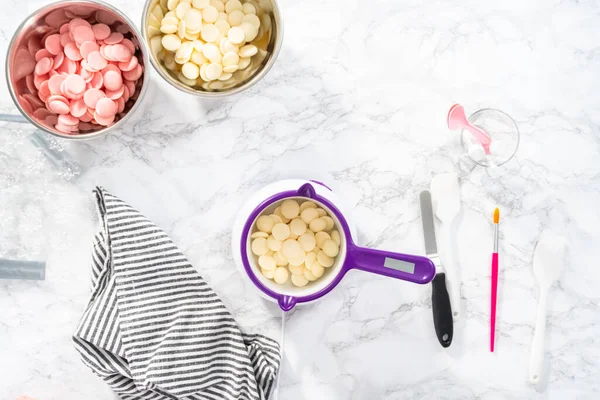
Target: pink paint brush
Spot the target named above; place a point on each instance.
(494, 280)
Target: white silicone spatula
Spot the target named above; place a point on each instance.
(445, 196)
(547, 264)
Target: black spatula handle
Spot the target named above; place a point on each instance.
(442, 310)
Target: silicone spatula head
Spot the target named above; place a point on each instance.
(457, 120)
(548, 259)
(445, 194)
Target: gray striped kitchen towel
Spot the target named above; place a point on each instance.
(154, 329)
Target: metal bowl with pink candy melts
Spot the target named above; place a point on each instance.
(77, 68)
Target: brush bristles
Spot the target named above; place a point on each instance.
(496, 215)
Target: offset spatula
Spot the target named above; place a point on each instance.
(440, 300)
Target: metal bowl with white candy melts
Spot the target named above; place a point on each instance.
(212, 48)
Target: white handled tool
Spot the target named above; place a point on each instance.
(547, 262)
(445, 193)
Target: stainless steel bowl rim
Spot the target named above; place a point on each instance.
(143, 48)
(216, 94)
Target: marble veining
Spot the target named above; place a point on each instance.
(357, 99)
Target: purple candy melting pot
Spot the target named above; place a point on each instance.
(411, 268)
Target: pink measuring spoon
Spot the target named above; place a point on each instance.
(458, 120)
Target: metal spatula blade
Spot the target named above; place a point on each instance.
(445, 193)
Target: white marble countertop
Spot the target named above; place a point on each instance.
(357, 99)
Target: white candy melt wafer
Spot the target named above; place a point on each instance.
(281, 275)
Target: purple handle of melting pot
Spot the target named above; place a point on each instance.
(407, 267)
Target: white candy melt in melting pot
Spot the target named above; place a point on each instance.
(411, 268)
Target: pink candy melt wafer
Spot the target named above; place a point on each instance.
(131, 86)
(42, 53)
(78, 108)
(68, 66)
(97, 81)
(134, 74)
(87, 67)
(120, 104)
(96, 61)
(87, 47)
(101, 31)
(76, 22)
(44, 92)
(92, 96)
(114, 38)
(129, 65)
(126, 93)
(112, 80)
(65, 38)
(87, 117)
(111, 67)
(120, 53)
(38, 79)
(108, 52)
(68, 119)
(58, 107)
(46, 32)
(74, 84)
(104, 120)
(105, 17)
(129, 44)
(52, 44)
(55, 82)
(43, 66)
(66, 128)
(58, 60)
(72, 52)
(83, 34)
(58, 98)
(106, 107)
(116, 94)
(103, 50)
(86, 75)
